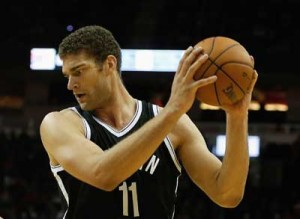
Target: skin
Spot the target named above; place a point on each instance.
(101, 90)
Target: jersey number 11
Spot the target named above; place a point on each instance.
(125, 189)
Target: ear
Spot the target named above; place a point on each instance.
(111, 63)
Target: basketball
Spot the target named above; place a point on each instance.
(232, 64)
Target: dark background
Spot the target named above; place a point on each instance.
(268, 29)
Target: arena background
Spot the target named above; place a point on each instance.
(268, 29)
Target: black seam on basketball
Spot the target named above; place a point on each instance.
(212, 45)
(224, 72)
(225, 50)
(213, 61)
(217, 94)
(208, 53)
(231, 62)
(235, 62)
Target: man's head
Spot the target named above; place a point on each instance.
(93, 40)
(91, 61)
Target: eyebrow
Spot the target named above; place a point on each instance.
(74, 68)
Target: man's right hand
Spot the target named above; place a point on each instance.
(184, 86)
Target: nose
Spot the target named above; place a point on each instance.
(72, 83)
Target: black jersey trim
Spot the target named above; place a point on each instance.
(168, 144)
(128, 127)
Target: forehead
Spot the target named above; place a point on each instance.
(72, 61)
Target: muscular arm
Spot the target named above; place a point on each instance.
(224, 182)
(234, 172)
(65, 142)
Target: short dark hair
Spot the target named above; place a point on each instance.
(95, 40)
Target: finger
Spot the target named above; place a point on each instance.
(191, 58)
(205, 81)
(185, 55)
(253, 82)
(252, 59)
(197, 65)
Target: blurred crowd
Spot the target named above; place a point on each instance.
(28, 190)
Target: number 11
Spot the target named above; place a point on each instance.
(124, 188)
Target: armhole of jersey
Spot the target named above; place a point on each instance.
(55, 170)
(87, 128)
(168, 143)
(58, 168)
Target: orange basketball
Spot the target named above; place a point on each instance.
(232, 64)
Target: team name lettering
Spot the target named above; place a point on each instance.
(151, 166)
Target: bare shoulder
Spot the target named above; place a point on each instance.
(55, 123)
(59, 128)
(65, 115)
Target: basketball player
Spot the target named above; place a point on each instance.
(120, 157)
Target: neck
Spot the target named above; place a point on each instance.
(120, 109)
